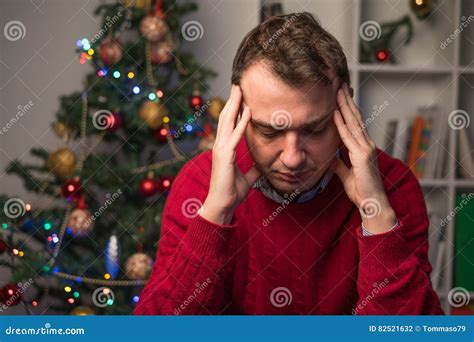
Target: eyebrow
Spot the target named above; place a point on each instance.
(315, 122)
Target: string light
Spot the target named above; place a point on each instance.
(34, 303)
(90, 52)
(159, 93)
(15, 251)
(28, 207)
(136, 90)
(21, 253)
(4, 226)
(47, 226)
(152, 96)
(67, 289)
(166, 119)
(130, 75)
(107, 276)
(70, 300)
(136, 299)
(116, 74)
(76, 294)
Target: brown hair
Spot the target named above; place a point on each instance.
(296, 48)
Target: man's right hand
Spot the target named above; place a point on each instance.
(228, 186)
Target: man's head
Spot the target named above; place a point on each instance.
(289, 69)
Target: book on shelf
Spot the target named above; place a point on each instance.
(419, 141)
(466, 167)
(437, 249)
(464, 242)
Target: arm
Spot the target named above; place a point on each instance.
(394, 271)
(191, 264)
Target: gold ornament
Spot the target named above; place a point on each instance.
(62, 130)
(153, 27)
(82, 311)
(80, 222)
(138, 266)
(216, 106)
(140, 4)
(62, 162)
(153, 113)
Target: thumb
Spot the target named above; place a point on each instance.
(252, 175)
(340, 169)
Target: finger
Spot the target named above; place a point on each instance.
(240, 128)
(355, 110)
(230, 116)
(224, 110)
(252, 175)
(349, 117)
(346, 136)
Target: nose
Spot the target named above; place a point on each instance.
(293, 156)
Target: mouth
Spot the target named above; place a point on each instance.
(293, 177)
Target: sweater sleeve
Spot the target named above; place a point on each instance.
(190, 269)
(394, 271)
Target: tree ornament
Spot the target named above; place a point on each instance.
(112, 257)
(161, 52)
(148, 186)
(3, 246)
(153, 113)
(153, 27)
(10, 294)
(421, 8)
(216, 106)
(62, 130)
(138, 265)
(82, 311)
(110, 51)
(164, 183)
(114, 121)
(383, 55)
(71, 188)
(62, 162)
(195, 100)
(80, 220)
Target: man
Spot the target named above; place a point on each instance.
(299, 212)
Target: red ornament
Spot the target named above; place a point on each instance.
(110, 51)
(148, 187)
(195, 101)
(3, 246)
(383, 55)
(10, 295)
(160, 135)
(71, 189)
(161, 52)
(114, 122)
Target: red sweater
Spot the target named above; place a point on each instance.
(311, 259)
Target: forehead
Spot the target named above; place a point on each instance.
(264, 93)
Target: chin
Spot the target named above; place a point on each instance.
(285, 187)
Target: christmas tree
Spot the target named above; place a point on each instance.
(104, 189)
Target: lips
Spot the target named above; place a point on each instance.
(293, 177)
